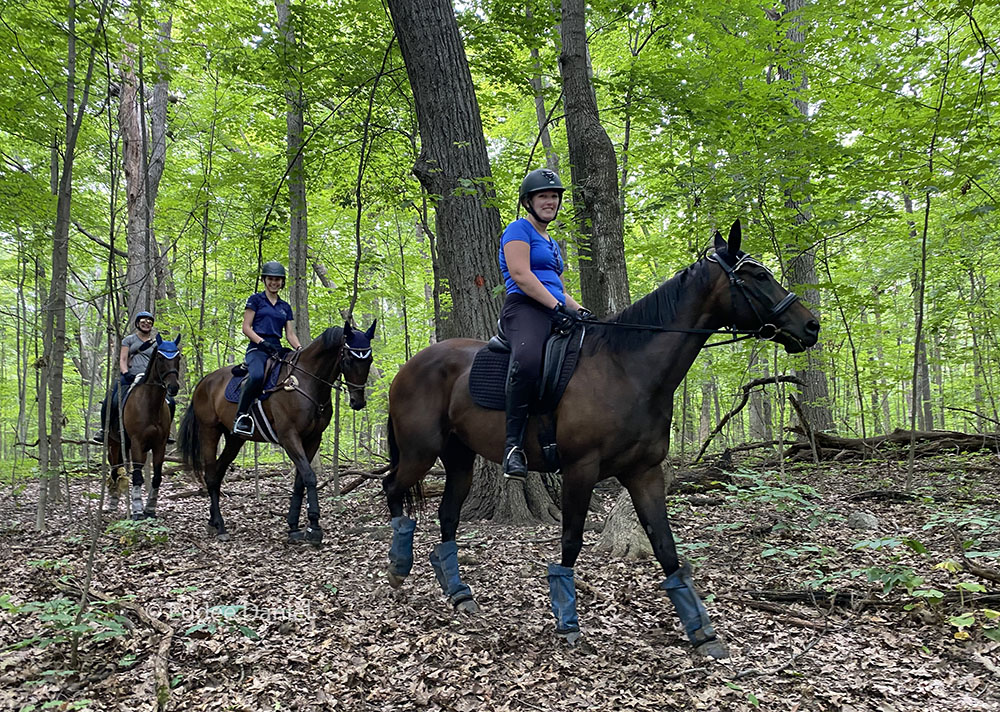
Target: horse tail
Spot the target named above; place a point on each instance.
(413, 499)
(189, 440)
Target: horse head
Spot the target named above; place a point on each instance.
(164, 363)
(356, 362)
(757, 302)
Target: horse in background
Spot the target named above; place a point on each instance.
(613, 421)
(298, 410)
(145, 421)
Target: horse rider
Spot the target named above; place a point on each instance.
(132, 361)
(266, 315)
(537, 302)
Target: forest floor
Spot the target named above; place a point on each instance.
(257, 624)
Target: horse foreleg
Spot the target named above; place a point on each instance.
(396, 486)
(298, 493)
(304, 471)
(647, 494)
(578, 485)
(458, 461)
(138, 462)
(115, 473)
(154, 490)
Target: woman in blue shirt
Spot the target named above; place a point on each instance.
(537, 302)
(265, 317)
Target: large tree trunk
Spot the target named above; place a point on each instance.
(454, 168)
(147, 277)
(598, 211)
(298, 243)
(453, 165)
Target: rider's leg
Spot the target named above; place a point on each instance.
(256, 360)
(527, 325)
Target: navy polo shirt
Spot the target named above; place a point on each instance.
(269, 319)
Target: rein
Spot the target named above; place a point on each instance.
(291, 383)
(767, 331)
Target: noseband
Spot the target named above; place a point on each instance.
(767, 330)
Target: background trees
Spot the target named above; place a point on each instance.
(882, 171)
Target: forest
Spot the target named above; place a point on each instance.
(838, 505)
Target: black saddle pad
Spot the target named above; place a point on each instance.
(488, 378)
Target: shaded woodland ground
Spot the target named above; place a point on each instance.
(255, 624)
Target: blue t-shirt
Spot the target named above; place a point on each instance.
(546, 259)
(269, 319)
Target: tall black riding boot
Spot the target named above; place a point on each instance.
(515, 464)
(243, 425)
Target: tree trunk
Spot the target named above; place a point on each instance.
(802, 265)
(298, 243)
(453, 165)
(598, 211)
(55, 308)
(925, 411)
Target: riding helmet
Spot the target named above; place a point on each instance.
(273, 269)
(539, 180)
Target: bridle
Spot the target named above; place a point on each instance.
(767, 331)
(161, 377)
(347, 353)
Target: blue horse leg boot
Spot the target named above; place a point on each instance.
(680, 588)
(562, 592)
(444, 560)
(401, 550)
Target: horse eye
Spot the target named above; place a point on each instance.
(761, 276)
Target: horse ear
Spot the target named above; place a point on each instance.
(735, 237)
(159, 339)
(371, 330)
(177, 341)
(347, 328)
(720, 244)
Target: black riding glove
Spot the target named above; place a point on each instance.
(268, 348)
(585, 314)
(127, 378)
(563, 319)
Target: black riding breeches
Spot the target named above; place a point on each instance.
(527, 325)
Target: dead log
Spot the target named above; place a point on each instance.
(894, 445)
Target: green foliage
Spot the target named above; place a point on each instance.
(59, 620)
(130, 536)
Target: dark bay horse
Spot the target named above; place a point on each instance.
(146, 421)
(299, 410)
(613, 420)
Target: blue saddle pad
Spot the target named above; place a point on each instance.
(233, 387)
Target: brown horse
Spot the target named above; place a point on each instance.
(300, 409)
(613, 420)
(146, 422)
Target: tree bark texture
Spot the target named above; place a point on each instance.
(298, 243)
(596, 205)
(802, 265)
(453, 165)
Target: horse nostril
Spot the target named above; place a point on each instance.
(812, 326)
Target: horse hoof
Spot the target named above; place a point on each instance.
(314, 535)
(468, 606)
(395, 580)
(713, 649)
(296, 536)
(149, 515)
(223, 536)
(138, 517)
(569, 637)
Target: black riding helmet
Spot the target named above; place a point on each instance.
(273, 269)
(537, 181)
(142, 315)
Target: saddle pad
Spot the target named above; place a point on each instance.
(488, 378)
(233, 387)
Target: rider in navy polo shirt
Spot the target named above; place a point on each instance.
(266, 316)
(537, 302)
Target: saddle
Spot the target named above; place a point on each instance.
(491, 371)
(272, 370)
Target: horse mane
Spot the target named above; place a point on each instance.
(332, 337)
(658, 308)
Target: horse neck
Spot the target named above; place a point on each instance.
(665, 359)
(322, 361)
